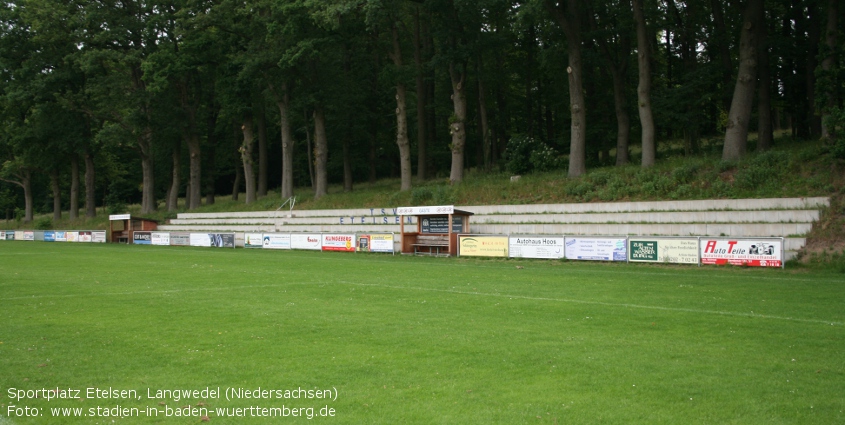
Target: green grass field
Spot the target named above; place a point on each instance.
(414, 340)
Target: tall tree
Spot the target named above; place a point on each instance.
(568, 14)
(736, 134)
(644, 86)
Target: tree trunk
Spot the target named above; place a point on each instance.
(828, 65)
(310, 153)
(421, 98)
(26, 183)
(90, 206)
(144, 141)
(736, 135)
(57, 195)
(814, 38)
(644, 86)
(401, 116)
(569, 18)
(483, 125)
(73, 214)
(175, 181)
(262, 151)
(623, 122)
(283, 103)
(195, 169)
(211, 152)
(321, 154)
(723, 51)
(247, 158)
(236, 185)
(457, 123)
(347, 164)
(764, 97)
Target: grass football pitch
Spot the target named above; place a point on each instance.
(100, 334)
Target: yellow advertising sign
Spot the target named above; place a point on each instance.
(483, 246)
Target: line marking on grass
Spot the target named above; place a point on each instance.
(574, 301)
(450, 291)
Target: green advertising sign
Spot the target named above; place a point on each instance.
(643, 250)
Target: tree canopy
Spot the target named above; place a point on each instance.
(260, 94)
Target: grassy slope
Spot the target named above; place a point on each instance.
(421, 340)
(791, 169)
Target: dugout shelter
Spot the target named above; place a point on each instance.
(436, 232)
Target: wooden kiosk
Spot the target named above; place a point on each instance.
(122, 227)
(437, 230)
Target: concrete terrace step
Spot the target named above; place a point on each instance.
(767, 216)
(610, 207)
(712, 229)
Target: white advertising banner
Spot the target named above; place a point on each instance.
(200, 239)
(440, 209)
(2, 235)
(754, 252)
(253, 240)
(98, 237)
(306, 241)
(276, 241)
(663, 250)
(381, 242)
(535, 247)
(28, 235)
(72, 236)
(595, 248)
(19, 235)
(160, 238)
(61, 236)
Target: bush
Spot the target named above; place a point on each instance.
(421, 196)
(525, 154)
(43, 223)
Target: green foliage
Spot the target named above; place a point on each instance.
(43, 223)
(421, 195)
(836, 123)
(762, 169)
(525, 154)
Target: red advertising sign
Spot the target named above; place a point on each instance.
(760, 252)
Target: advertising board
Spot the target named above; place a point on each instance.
(49, 236)
(550, 247)
(142, 238)
(84, 236)
(338, 242)
(663, 250)
(595, 248)
(160, 238)
(180, 239)
(98, 237)
(276, 241)
(306, 241)
(28, 235)
(253, 240)
(72, 236)
(482, 246)
(61, 236)
(754, 252)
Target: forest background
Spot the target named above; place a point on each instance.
(109, 103)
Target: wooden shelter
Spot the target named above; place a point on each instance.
(122, 227)
(437, 230)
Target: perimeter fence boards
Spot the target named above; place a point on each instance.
(680, 250)
(310, 241)
(98, 237)
(253, 240)
(61, 236)
(142, 238)
(376, 242)
(754, 252)
(526, 246)
(160, 238)
(49, 236)
(28, 235)
(215, 240)
(483, 245)
(19, 235)
(276, 241)
(596, 248)
(72, 236)
(10, 235)
(180, 239)
(338, 242)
